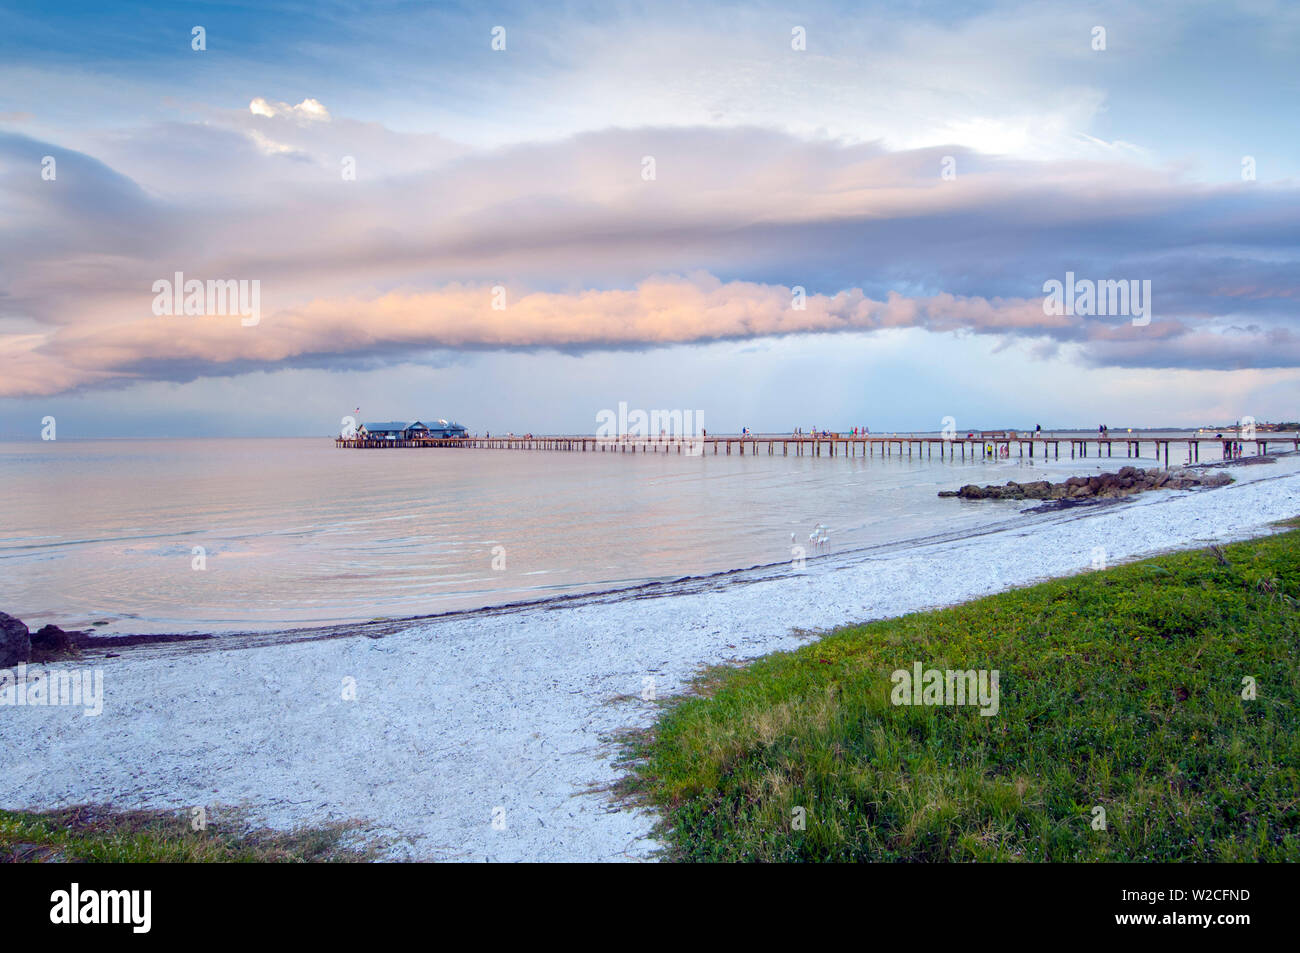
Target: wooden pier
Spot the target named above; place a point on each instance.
(1026, 446)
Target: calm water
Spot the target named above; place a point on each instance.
(297, 532)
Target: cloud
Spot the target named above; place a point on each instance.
(388, 264)
(659, 311)
(666, 310)
(309, 110)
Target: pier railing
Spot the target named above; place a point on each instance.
(885, 445)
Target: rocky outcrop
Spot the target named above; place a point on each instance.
(15, 643)
(49, 642)
(46, 644)
(1126, 482)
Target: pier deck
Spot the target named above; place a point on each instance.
(886, 445)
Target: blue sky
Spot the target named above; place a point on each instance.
(523, 169)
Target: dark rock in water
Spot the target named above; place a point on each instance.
(1038, 490)
(50, 640)
(1103, 486)
(15, 643)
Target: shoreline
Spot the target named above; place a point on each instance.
(460, 714)
(112, 645)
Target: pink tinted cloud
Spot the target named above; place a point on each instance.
(658, 311)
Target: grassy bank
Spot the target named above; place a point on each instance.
(1119, 689)
(103, 835)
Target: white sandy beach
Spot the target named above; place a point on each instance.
(516, 709)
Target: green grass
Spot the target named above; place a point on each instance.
(104, 835)
(1120, 689)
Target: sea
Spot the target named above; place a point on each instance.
(245, 535)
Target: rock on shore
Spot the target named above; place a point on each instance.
(46, 644)
(1128, 481)
(15, 642)
(53, 641)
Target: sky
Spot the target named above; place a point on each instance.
(818, 215)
